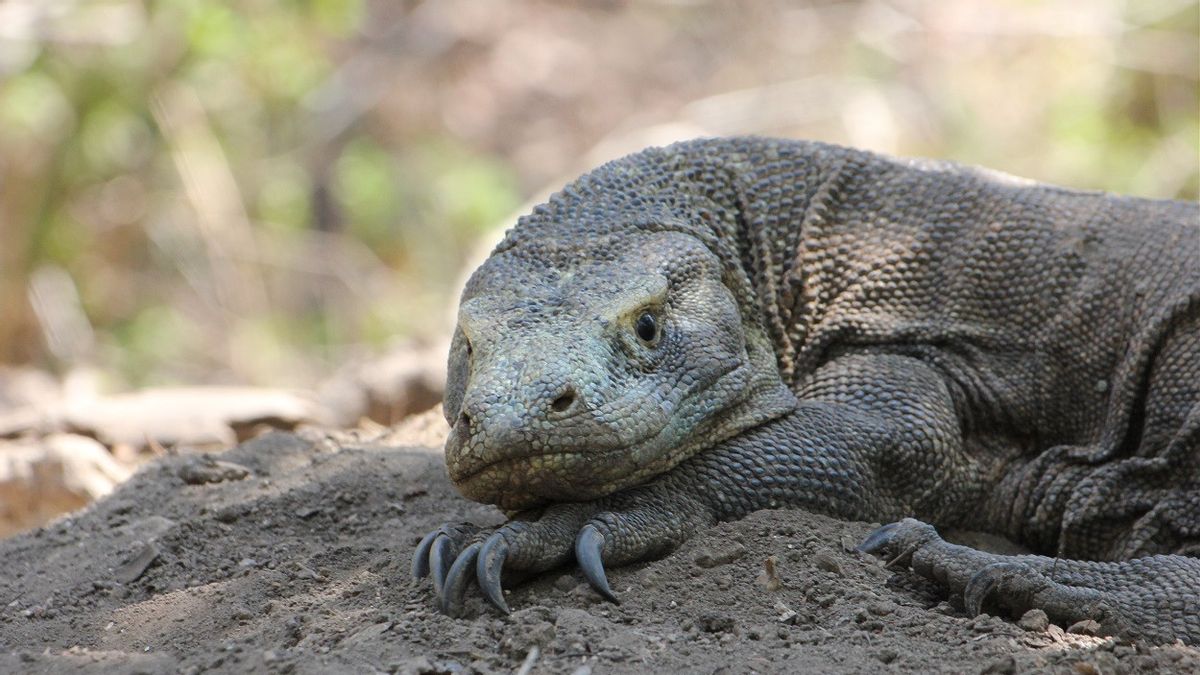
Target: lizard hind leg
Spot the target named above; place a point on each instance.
(1156, 598)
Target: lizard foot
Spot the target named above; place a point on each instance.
(438, 550)
(1156, 597)
(635, 525)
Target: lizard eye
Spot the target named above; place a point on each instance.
(646, 327)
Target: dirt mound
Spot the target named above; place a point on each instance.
(291, 552)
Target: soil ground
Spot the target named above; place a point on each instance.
(302, 565)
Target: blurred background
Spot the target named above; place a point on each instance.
(284, 193)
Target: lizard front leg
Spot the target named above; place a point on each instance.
(772, 465)
(833, 453)
(640, 523)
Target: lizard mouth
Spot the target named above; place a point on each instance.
(475, 470)
(525, 480)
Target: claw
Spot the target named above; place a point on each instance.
(488, 566)
(878, 540)
(420, 561)
(587, 553)
(451, 594)
(983, 582)
(441, 559)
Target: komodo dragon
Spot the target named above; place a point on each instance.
(692, 333)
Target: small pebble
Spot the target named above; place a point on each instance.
(1085, 627)
(716, 623)
(1034, 620)
(824, 560)
(886, 655)
(881, 608)
(1005, 665)
(714, 557)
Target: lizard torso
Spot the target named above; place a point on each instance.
(729, 324)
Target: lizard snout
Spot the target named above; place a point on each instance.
(507, 422)
(497, 422)
(523, 436)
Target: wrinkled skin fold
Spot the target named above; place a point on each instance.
(693, 333)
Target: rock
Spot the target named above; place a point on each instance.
(787, 615)
(27, 420)
(886, 655)
(25, 396)
(1005, 665)
(1034, 620)
(531, 634)
(824, 560)
(716, 623)
(881, 608)
(1085, 627)
(44, 478)
(648, 579)
(723, 555)
(945, 608)
(231, 513)
(408, 379)
(427, 429)
(203, 469)
(986, 623)
(194, 416)
(421, 665)
(369, 633)
(132, 569)
(20, 387)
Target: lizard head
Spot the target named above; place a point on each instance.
(586, 365)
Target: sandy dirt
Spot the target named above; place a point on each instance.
(297, 560)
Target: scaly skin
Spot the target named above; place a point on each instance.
(692, 333)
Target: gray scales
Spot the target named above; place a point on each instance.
(692, 333)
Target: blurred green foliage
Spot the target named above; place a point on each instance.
(116, 147)
(256, 190)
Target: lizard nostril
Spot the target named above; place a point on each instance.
(563, 402)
